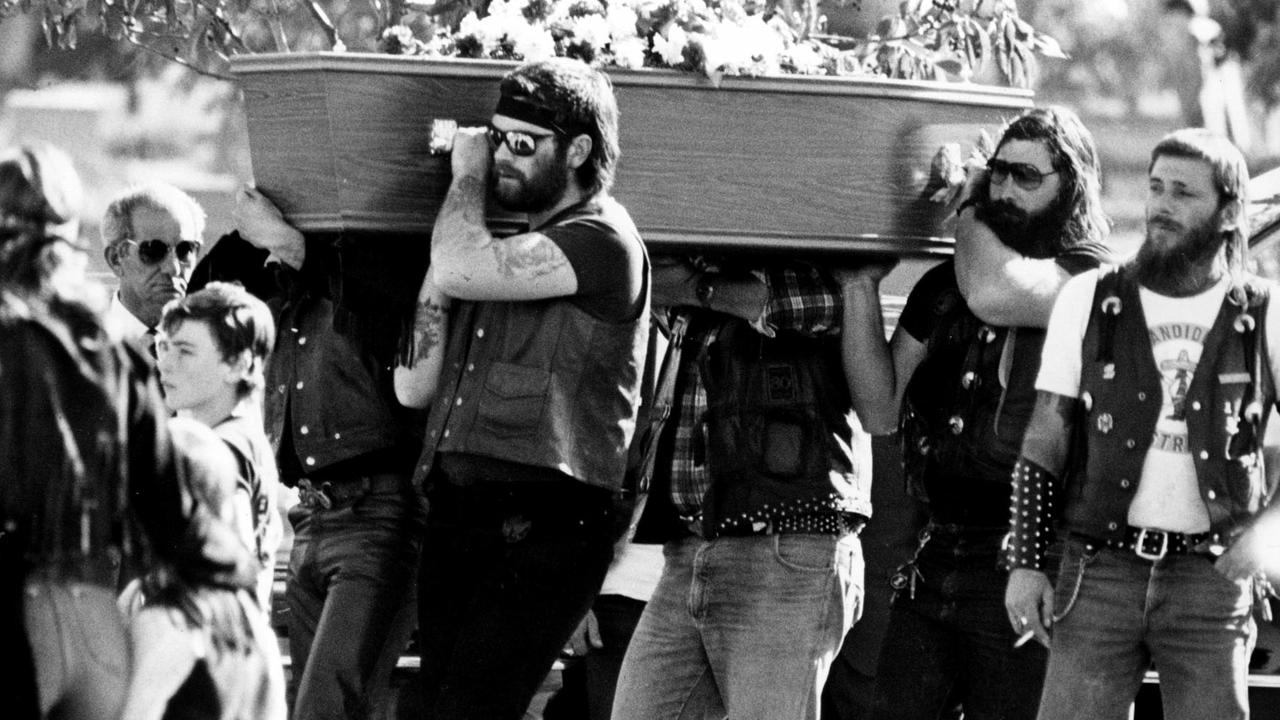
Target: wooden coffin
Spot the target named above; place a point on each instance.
(787, 163)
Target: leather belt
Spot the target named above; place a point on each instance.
(1153, 545)
(335, 493)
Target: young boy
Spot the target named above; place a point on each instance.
(211, 352)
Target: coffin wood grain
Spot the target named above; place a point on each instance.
(339, 141)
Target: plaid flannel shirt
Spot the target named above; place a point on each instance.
(801, 298)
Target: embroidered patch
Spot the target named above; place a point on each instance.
(782, 383)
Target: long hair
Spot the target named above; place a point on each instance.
(1230, 178)
(1074, 155)
(40, 195)
(583, 102)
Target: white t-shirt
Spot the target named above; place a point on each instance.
(1168, 494)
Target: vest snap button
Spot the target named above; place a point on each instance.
(1112, 525)
(1130, 443)
(1142, 397)
(1195, 404)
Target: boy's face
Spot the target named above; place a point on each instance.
(192, 370)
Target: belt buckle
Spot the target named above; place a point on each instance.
(311, 497)
(1139, 546)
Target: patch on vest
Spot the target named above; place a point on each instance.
(780, 383)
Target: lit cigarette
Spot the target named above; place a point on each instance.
(1023, 638)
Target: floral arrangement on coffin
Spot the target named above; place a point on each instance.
(926, 39)
(916, 39)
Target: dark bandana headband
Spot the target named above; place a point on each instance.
(522, 109)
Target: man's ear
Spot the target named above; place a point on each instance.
(579, 150)
(111, 254)
(1229, 216)
(241, 367)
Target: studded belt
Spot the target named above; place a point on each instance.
(1151, 544)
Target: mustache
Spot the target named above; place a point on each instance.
(1164, 222)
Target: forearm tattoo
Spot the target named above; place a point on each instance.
(428, 329)
(534, 257)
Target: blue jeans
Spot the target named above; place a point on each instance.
(350, 599)
(952, 640)
(1117, 613)
(80, 647)
(746, 626)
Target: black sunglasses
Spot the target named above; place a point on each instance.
(519, 142)
(1027, 176)
(152, 252)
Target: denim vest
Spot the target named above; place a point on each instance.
(1227, 405)
(540, 383)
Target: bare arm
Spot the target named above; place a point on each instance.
(1001, 286)
(877, 371)
(469, 262)
(260, 222)
(417, 377)
(675, 283)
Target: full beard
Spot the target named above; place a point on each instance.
(1038, 236)
(1183, 268)
(532, 194)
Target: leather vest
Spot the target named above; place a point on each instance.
(781, 432)
(965, 410)
(540, 383)
(1226, 404)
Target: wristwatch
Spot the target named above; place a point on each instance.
(705, 290)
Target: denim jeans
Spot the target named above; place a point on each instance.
(746, 626)
(350, 599)
(1117, 613)
(950, 640)
(508, 571)
(80, 647)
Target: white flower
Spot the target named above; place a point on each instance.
(670, 45)
(534, 43)
(805, 59)
(622, 21)
(591, 29)
(473, 26)
(629, 52)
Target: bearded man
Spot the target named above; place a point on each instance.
(528, 351)
(960, 369)
(1161, 371)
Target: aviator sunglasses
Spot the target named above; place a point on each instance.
(152, 252)
(519, 142)
(1027, 176)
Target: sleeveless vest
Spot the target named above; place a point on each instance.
(1226, 405)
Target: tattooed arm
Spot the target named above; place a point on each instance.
(416, 376)
(470, 263)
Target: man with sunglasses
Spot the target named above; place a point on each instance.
(153, 235)
(527, 350)
(1163, 379)
(959, 372)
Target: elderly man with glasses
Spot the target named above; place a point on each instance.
(153, 236)
(959, 373)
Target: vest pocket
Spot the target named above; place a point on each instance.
(512, 400)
